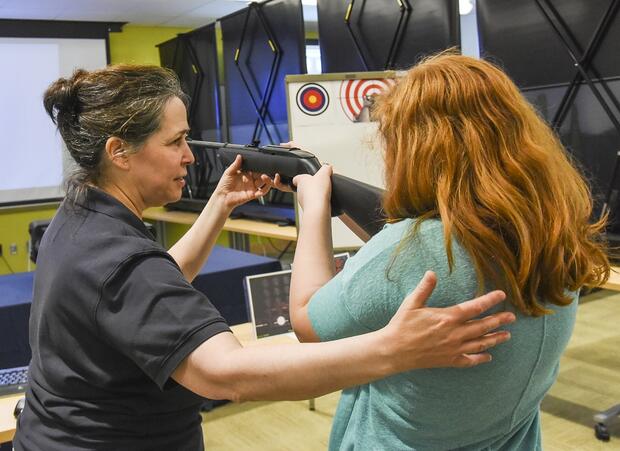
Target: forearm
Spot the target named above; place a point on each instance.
(293, 372)
(313, 265)
(192, 250)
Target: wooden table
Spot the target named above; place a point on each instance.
(243, 332)
(7, 421)
(235, 226)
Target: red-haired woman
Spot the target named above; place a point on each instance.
(479, 190)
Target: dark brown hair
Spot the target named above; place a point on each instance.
(125, 101)
(463, 144)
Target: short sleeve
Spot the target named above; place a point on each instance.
(329, 315)
(150, 313)
(365, 295)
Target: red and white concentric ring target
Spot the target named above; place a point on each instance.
(353, 93)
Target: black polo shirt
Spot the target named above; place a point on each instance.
(112, 317)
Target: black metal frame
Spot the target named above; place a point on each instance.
(185, 41)
(583, 64)
(262, 110)
(199, 174)
(405, 13)
(347, 22)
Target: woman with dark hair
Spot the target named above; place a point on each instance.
(123, 347)
(480, 191)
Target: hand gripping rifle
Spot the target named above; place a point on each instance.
(359, 201)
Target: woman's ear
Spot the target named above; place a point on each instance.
(115, 150)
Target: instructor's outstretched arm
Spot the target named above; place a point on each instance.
(416, 337)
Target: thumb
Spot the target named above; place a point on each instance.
(290, 144)
(299, 178)
(418, 297)
(326, 169)
(234, 166)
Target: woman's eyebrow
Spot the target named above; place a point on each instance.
(178, 134)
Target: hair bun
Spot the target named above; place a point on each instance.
(61, 97)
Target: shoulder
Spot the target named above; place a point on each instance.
(390, 266)
(374, 282)
(93, 248)
(108, 239)
(396, 241)
(147, 267)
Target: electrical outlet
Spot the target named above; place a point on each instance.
(13, 249)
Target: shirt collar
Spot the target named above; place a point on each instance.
(102, 202)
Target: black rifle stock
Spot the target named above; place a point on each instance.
(359, 201)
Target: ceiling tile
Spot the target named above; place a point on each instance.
(27, 14)
(218, 9)
(145, 18)
(99, 16)
(189, 21)
(189, 13)
(174, 8)
(30, 6)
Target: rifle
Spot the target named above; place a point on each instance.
(360, 201)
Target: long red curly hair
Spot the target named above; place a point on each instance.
(461, 143)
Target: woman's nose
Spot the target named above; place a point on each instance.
(188, 155)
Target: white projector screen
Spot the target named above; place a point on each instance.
(33, 161)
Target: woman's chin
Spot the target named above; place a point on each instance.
(175, 198)
(170, 199)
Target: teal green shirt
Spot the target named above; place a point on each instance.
(492, 406)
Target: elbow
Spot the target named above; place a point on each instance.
(217, 382)
(223, 388)
(237, 397)
(304, 336)
(226, 382)
(217, 370)
(302, 327)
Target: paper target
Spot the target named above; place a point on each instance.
(356, 96)
(312, 99)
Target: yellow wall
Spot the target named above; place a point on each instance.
(137, 45)
(14, 231)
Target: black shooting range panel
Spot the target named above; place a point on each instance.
(193, 57)
(373, 40)
(518, 36)
(564, 56)
(262, 44)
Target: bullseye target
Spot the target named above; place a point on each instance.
(312, 99)
(356, 96)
